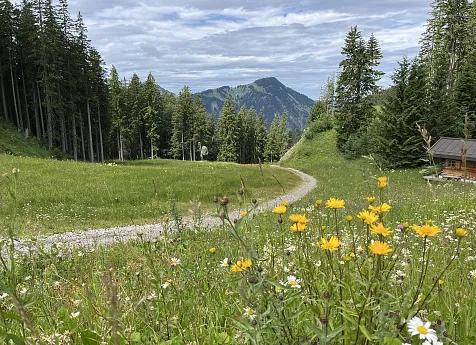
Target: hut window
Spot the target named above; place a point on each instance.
(450, 163)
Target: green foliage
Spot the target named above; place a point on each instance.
(278, 138)
(14, 143)
(356, 82)
(228, 132)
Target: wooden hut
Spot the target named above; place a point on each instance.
(450, 151)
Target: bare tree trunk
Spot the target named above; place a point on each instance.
(35, 109)
(101, 147)
(4, 100)
(90, 140)
(49, 121)
(62, 125)
(121, 148)
(151, 149)
(141, 145)
(14, 96)
(183, 149)
(82, 142)
(20, 112)
(28, 124)
(42, 121)
(75, 142)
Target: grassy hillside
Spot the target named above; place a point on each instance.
(14, 143)
(56, 196)
(412, 197)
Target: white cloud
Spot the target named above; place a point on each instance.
(209, 43)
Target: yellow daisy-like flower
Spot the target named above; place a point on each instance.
(382, 182)
(460, 232)
(212, 250)
(299, 218)
(426, 230)
(323, 228)
(285, 203)
(380, 229)
(380, 208)
(335, 203)
(331, 245)
(441, 282)
(349, 218)
(318, 203)
(368, 217)
(280, 210)
(380, 248)
(298, 227)
(240, 266)
(243, 214)
(371, 199)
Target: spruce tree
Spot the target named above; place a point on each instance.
(227, 132)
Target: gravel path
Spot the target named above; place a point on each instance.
(93, 237)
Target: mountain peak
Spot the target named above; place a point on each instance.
(267, 94)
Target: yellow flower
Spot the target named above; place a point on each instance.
(460, 232)
(323, 228)
(406, 225)
(368, 217)
(298, 227)
(380, 208)
(243, 214)
(349, 218)
(285, 203)
(379, 229)
(382, 182)
(440, 282)
(240, 266)
(380, 248)
(280, 210)
(335, 203)
(370, 199)
(299, 218)
(213, 250)
(331, 245)
(426, 230)
(318, 203)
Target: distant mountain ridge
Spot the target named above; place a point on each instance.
(268, 94)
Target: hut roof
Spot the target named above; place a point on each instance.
(452, 148)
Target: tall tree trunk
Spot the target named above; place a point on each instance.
(75, 141)
(42, 121)
(35, 110)
(14, 95)
(20, 112)
(141, 145)
(191, 153)
(183, 148)
(151, 149)
(28, 124)
(4, 100)
(101, 147)
(82, 142)
(62, 124)
(90, 140)
(121, 147)
(49, 122)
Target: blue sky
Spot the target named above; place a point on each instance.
(209, 43)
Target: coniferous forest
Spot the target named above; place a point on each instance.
(54, 86)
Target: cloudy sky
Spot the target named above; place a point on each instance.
(211, 43)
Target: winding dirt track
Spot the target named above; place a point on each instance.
(108, 236)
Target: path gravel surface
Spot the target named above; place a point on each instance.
(108, 236)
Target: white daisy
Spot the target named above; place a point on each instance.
(224, 263)
(423, 330)
(174, 261)
(75, 315)
(249, 312)
(472, 273)
(432, 343)
(166, 284)
(294, 282)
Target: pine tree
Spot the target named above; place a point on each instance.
(227, 132)
(356, 82)
(181, 137)
(152, 113)
(199, 126)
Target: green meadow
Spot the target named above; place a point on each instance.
(256, 281)
(57, 196)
